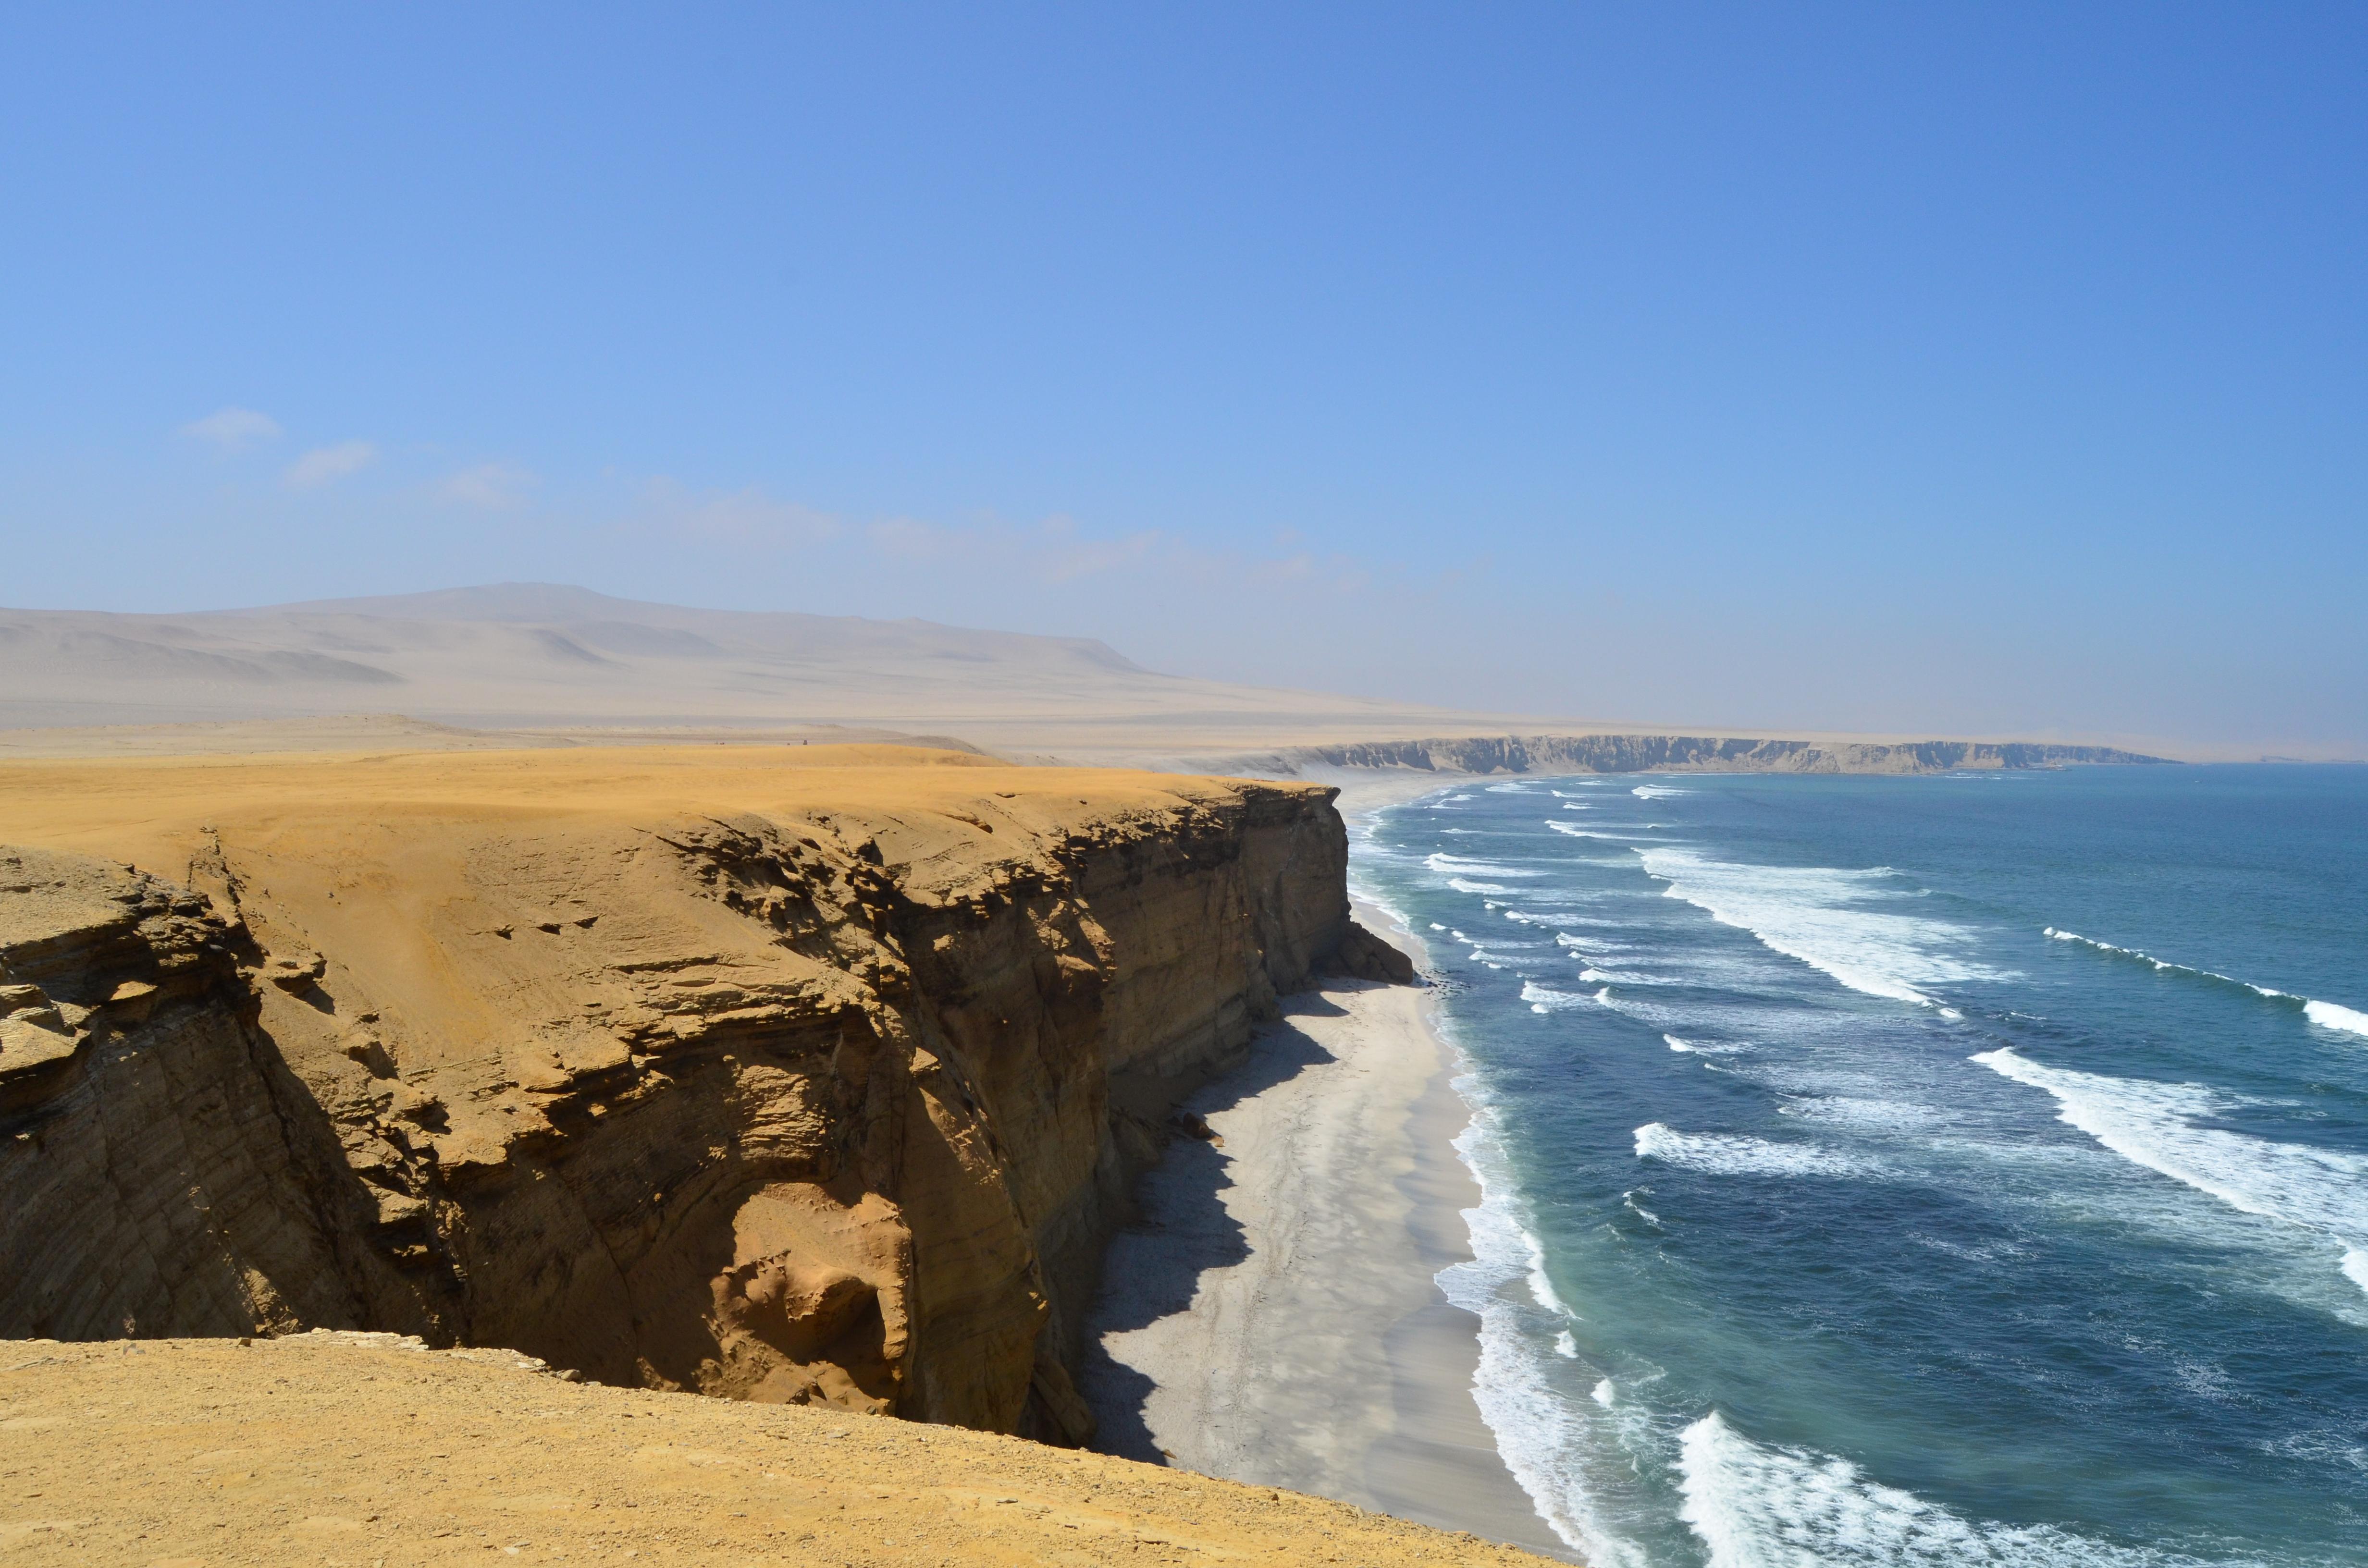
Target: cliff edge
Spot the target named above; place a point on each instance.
(343, 1447)
(800, 1076)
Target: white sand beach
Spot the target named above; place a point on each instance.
(1273, 1318)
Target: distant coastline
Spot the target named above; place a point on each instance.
(1631, 752)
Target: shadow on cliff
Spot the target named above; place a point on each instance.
(1155, 1266)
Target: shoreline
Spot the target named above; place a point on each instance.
(1271, 1317)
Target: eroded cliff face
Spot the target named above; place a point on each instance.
(807, 1083)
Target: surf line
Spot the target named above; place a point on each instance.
(2325, 1015)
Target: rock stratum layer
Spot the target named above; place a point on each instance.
(333, 1447)
(799, 1075)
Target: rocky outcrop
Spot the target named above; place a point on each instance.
(1680, 754)
(807, 1105)
(147, 1184)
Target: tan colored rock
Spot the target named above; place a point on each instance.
(808, 1076)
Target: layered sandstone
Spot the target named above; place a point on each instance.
(801, 1074)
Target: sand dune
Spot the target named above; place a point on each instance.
(539, 655)
(540, 664)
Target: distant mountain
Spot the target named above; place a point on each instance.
(545, 653)
(693, 633)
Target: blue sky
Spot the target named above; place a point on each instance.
(1977, 368)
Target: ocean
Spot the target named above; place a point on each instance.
(1956, 1169)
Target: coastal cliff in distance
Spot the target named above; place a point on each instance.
(808, 1074)
(1690, 753)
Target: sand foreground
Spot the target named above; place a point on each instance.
(362, 1449)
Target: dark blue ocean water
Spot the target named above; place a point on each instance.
(1959, 1169)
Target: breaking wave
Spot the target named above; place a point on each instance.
(1822, 917)
(1753, 1505)
(1541, 1438)
(2154, 1125)
(1444, 863)
(2328, 1015)
(2325, 1015)
(1546, 999)
(1697, 1048)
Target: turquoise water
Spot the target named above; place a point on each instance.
(1959, 1169)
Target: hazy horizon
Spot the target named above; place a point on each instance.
(1968, 371)
(138, 669)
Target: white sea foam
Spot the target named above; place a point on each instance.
(1566, 1345)
(1605, 1395)
(2328, 1015)
(1539, 1435)
(1568, 831)
(1755, 1505)
(1718, 1153)
(1698, 1049)
(1872, 1115)
(1657, 792)
(1577, 805)
(1508, 789)
(1542, 1289)
(1465, 885)
(2154, 1125)
(1588, 783)
(1826, 918)
(1545, 999)
(1458, 863)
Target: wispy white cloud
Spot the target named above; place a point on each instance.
(491, 487)
(747, 516)
(326, 465)
(232, 429)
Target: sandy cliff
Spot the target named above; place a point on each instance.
(808, 1074)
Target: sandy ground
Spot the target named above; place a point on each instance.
(1274, 1319)
(357, 1451)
